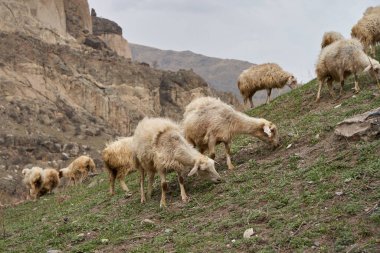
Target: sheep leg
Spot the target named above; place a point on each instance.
(112, 174)
(269, 91)
(164, 189)
(331, 90)
(150, 184)
(320, 83)
(357, 88)
(341, 88)
(228, 156)
(125, 187)
(143, 200)
(250, 99)
(211, 146)
(184, 196)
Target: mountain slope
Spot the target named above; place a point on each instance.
(221, 74)
(319, 194)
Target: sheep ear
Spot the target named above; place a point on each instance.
(267, 130)
(194, 169)
(367, 68)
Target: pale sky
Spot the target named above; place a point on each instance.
(287, 32)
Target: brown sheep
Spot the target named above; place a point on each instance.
(40, 181)
(330, 37)
(265, 76)
(118, 158)
(78, 169)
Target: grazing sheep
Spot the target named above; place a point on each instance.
(40, 181)
(209, 121)
(330, 37)
(78, 169)
(367, 30)
(118, 158)
(341, 59)
(265, 76)
(159, 147)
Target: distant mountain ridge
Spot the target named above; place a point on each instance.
(221, 74)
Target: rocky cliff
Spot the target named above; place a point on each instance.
(62, 99)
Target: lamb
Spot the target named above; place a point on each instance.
(158, 147)
(40, 181)
(265, 76)
(367, 29)
(118, 158)
(330, 37)
(78, 169)
(341, 59)
(209, 121)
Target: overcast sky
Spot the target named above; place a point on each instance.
(287, 32)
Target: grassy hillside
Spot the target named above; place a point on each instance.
(320, 194)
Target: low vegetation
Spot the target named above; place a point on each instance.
(315, 192)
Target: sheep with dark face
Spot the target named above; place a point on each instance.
(40, 181)
(118, 158)
(265, 76)
(159, 146)
(78, 169)
(209, 121)
(341, 59)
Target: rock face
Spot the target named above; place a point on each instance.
(42, 19)
(117, 43)
(62, 100)
(365, 126)
(111, 34)
(78, 19)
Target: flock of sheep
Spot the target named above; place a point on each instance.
(160, 145)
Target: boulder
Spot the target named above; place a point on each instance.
(365, 126)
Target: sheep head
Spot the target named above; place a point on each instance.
(269, 133)
(292, 82)
(25, 171)
(205, 167)
(373, 69)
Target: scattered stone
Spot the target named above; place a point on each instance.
(310, 182)
(289, 146)
(335, 107)
(43, 219)
(168, 230)
(54, 251)
(81, 235)
(339, 193)
(248, 233)
(316, 243)
(233, 240)
(347, 180)
(92, 184)
(148, 221)
(363, 126)
(317, 137)
(228, 245)
(105, 241)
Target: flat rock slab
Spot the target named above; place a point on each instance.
(364, 126)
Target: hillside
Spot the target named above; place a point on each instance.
(63, 96)
(221, 74)
(319, 194)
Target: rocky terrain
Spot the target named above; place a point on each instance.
(68, 86)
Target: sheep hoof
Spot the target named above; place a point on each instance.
(128, 194)
(163, 205)
(186, 200)
(231, 167)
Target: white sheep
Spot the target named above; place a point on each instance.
(78, 169)
(118, 158)
(209, 121)
(159, 147)
(40, 181)
(330, 37)
(341, 59)
(265, 76)
(367, 29)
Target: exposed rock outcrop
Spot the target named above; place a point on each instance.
(111, 34)
(78, 19)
